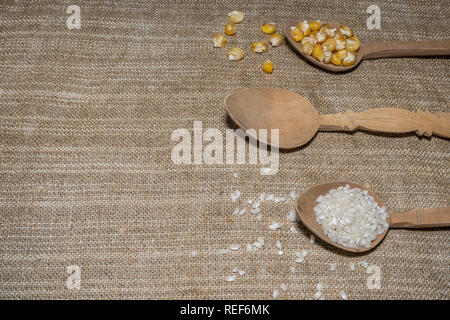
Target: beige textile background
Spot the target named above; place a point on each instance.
(86, 176)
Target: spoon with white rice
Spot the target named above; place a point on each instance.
(352, 217)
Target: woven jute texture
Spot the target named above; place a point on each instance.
(87, 180)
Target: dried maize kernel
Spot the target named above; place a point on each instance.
(346, 31)
(258, 47)
(296, 34)
(329, 45)
(335, 60)
(349, 60)
(276, 39)
(327, 56)
(307, 48)
(219, 40)
(341, 43)
(267, 66)
(341, 54)
(320, 36)
(315, 25)
(268, 28)
(309, 39)
(353, 44)
(318, 52)
(304, 27)
(330, 32)
(230, 29)
(235, 54)
(236, 16)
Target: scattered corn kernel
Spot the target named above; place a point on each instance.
(318, 52)
(341, 54)
(346, 31)
(335, 60)
(320, 36)
(307, 48)
(329, 45)
(230, 29)
(276, 39)
(236, 16)
(219, 40)
(304, 27)
(341, 42)
(267, 66)
(296, 34)
(353, 44)
(235, 54)
(268, 28)
(327, 56)
(258, 47)
(349, 60)
(309, 39)
(315, 25)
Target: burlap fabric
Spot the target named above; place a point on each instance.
(86, 177)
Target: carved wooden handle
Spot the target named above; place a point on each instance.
(389, 120)
(377, 50)
(421, 218)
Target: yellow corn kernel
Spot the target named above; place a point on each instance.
(296, 34)
(315, 25)
(318, 52)
(235, 54)
(341, 42)
(330, 32)
(349, 60)
(276, 39)
(230, 29)
(327, 56)
(304, 27)
(335, 60)
(309, 39)
(353, 44)
(307, 48)
(268, 28)
(341, 54)
(236, 16)
(219, 40)
(329, 45)
(267, 66)
(346, 31)
(258, 47)
(320, 36)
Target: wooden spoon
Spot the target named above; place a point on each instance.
(416, 218)
(298, 120)
(377, 50)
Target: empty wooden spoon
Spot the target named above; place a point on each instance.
(377, 50)
(416, 218)
(298, 121)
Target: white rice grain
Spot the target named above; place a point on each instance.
(230, 278)
(235, 247)
(275, 294)
(283, 287)
(343, 295)
(274, 226)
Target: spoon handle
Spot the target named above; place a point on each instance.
(393, 49)
(421, 218)
(389, 120)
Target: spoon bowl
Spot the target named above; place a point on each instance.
(268, 108)
(416, 218)
(305, 210)
(327, 66)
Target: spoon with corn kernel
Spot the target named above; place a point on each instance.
(298, 121)
(313, 40)
(413, 219)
